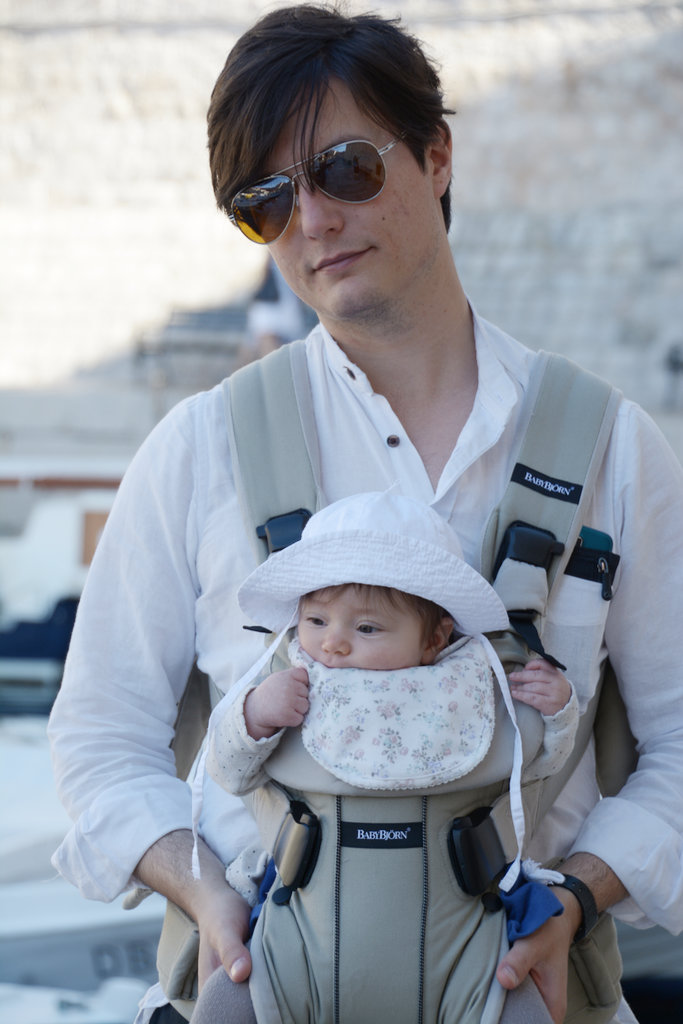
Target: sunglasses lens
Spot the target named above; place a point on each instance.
(262, 211)
(353, 172)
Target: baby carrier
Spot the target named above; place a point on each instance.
(534, 534)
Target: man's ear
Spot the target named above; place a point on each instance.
(440, 638)
(439, 154)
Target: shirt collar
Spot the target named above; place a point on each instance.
(502, 365)
(340, 363)
(502, 371)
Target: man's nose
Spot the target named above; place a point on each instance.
(317, 213)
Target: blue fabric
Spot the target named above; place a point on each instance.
(527, 906)
(263, 890)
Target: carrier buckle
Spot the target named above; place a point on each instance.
(281, 531)
(296, 847)
(526, 543)
(476, 852)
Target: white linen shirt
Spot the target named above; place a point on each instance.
(163, 585)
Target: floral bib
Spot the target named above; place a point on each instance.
(405, 729)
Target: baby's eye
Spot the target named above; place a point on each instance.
(366, 627)
(314, 620)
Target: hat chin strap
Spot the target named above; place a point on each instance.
(516, 805)
(224, 703)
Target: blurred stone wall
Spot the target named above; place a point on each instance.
(106, 210)
(568, 188)
(568, 225)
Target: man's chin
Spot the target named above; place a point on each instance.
(361, 311)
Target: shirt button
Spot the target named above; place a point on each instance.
(393, 441)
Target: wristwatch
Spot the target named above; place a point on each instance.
(589, 911)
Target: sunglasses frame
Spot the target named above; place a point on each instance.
(302, 165)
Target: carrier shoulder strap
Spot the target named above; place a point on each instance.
(567, 421)
(274, 447)
(569, 414)
(276, 466)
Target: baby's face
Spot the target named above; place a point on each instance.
(350, 630)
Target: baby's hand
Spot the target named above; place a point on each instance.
(280, 700)
(540, 685)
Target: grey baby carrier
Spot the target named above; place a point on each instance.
(538, 525)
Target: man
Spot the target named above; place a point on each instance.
(409, 388)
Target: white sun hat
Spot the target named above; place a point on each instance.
(379, 538)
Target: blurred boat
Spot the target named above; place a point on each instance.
(115, 1002)
(52, 512)
(50, 937)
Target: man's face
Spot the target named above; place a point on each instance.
(364, 265)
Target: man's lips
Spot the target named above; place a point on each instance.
(340, 259)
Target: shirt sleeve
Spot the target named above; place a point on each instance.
(132, 648)
(638, 833)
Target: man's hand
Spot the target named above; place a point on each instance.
(223, 926)
(221, 915)
(544, 955)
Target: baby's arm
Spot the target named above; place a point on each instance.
(239, 747)
(541, 685)
(545, 688)
(281, 700)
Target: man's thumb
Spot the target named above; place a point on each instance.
(239, 967)
(512, 969)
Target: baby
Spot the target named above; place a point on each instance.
(363, 626)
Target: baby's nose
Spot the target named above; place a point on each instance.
(336, 643)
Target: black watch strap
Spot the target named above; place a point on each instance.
(589, 911)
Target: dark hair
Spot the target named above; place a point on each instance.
(430, 614)
(287, 61)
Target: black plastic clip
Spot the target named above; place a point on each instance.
(533, 545)
(476, 851)
(281, 531)
(526, 543)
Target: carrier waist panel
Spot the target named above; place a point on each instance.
(381, 926)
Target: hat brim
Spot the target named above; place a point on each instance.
(271, 594)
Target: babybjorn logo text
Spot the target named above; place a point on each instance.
(547, 485)
(563, 490)
(383, 834)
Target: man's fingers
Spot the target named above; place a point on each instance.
(239, 966)
(225, 934)
(235, 959)
(553, 990)
(208, 962)
(235, 956)
(525, 959)
(512, 969)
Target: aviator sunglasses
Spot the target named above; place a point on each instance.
(352, 172)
